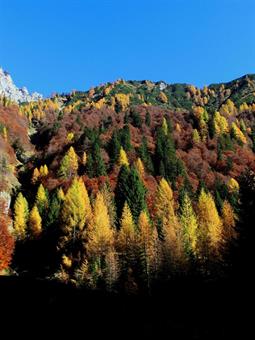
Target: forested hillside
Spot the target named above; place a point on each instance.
(128, 185)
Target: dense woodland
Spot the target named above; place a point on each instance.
(128, 185)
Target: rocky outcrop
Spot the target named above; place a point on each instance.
(11, 91)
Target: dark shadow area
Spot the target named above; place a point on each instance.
(181, 310)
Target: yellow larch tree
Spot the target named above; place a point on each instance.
(69, 164)
(41, 199)
(123, 160)
(148, 248)
(122, 100)
(100, 233)
(139, 167)
(189, 225)
(100, 244)
(21, 214)
(164, 126)
(35, 222)
(229, 222)
(76, 210)
(84, 158)
(127, 237)
(210, 224)
(35, 176)
(196, 137)
(220, 124)
(44, 170)
(237, 133)
(61, 194)
(233, 185)
(168, 224)
(162, 97)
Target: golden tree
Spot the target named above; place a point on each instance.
(210, 224)
(189, 226)
(162, 97)
(35, 176)
(84, 158)
(69, 164)
(148, 245)
(164, 126)
(35, 222)
(233, 185)
(61, 194)
(21, 214)
(123, 160)
(237, 133)
(100, 245)
(139, 167)
(41, 199)
(229, 222)
(220, 123)
(168, 224)
(76, 210)
(45, 171)
(127, 237)
(196, 137)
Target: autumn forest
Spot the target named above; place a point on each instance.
(128, 185)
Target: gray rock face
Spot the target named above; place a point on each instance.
(162, 86)
(11, 91)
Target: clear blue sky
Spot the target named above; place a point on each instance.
(60, 45)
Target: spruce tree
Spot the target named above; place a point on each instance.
(113, 147)
(131, 189)
(121, 190)
(125, 138)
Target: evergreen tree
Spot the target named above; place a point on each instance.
(148, 119)
(113, 147)
(145, 156)
(99, 166)
(136, 194)
(121, 190)
(166, 163)
(54, 208)
(95, 164)
(135, 118)
(130, 188)
(89, 166)
(125, 138)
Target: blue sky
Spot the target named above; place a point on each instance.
(61, 45)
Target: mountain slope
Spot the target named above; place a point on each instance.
(133, 151)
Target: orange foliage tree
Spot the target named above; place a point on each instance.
(6, 240)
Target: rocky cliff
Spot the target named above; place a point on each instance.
(11, 91)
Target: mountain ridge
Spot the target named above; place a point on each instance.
(9, 90)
